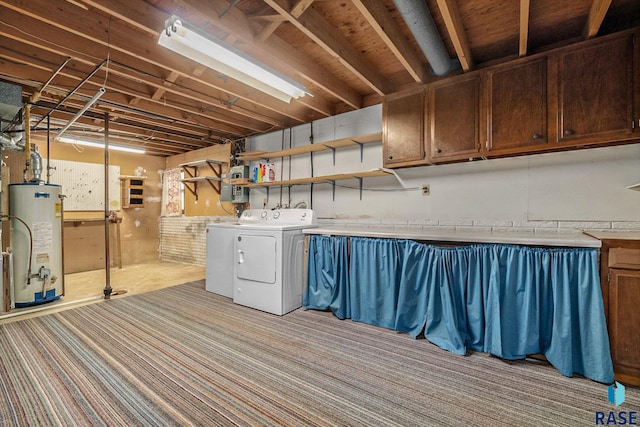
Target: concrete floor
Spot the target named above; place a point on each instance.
(88, 287)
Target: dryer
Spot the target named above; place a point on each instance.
(269, 259)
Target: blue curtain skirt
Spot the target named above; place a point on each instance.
(507, 300)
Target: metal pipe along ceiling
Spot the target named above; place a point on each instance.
(419, 20)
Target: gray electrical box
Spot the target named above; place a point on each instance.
(235, 193)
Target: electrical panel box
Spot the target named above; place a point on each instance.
(231, 192)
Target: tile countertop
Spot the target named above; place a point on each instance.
(614, 235)
(513, 237)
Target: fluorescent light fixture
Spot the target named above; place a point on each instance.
(81, 112)
(218, 55)
(95, 144)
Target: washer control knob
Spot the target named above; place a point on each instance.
(304, 214)
(264, 214)
(276, 214)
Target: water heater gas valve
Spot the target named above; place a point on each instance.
(44, 273)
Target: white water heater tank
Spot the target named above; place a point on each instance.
(36, 211)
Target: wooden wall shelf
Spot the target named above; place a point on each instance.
(310, 148)
(193, 177)
(322, 179)
(359, 140)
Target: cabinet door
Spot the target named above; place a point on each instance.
(624, 323)
(516, 100)
(403, 134)
(595, 92)
(453, 113)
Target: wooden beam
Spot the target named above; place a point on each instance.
(389, 31)
(89, 31)
(300, 7)
(161, 90)
(599, 9)
(314, 26)
(453, 22)
(274, 21)
(270, 27)
(118, 91)
(524, 27)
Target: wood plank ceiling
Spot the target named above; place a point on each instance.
(348, 53)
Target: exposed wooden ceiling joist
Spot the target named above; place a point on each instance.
(390, 32)
(314, 26)
(597, 13)
(455, 28)
(524, 27)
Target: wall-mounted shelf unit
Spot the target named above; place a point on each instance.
(193, 177)
(322, 179)
(132, 191)
(359, 140)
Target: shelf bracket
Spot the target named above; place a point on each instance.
(215, 188)
(360, 181)
(361, 145)
(192, 190)
(217, 171)
(333, 150)
(333, 185)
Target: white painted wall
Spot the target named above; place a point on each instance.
(581, 189)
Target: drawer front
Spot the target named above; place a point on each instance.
(624, 258)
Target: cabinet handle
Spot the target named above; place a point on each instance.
(536, 136)
(569, 132)
(438, 150)
(390, 157)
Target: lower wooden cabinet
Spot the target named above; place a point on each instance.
(620, 274)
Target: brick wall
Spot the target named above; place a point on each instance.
(183, 238)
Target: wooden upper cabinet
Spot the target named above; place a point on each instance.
(516, 107)
(403, 129)
(453, 118)
(583, 94)
(596, 91)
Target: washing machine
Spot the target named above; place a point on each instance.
(269, 259)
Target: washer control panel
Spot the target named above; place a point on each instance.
(278, 216)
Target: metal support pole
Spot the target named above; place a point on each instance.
(48, 150)
(107, 287)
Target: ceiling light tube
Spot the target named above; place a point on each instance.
(81, 112)
(95, 144)
(217, 55)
